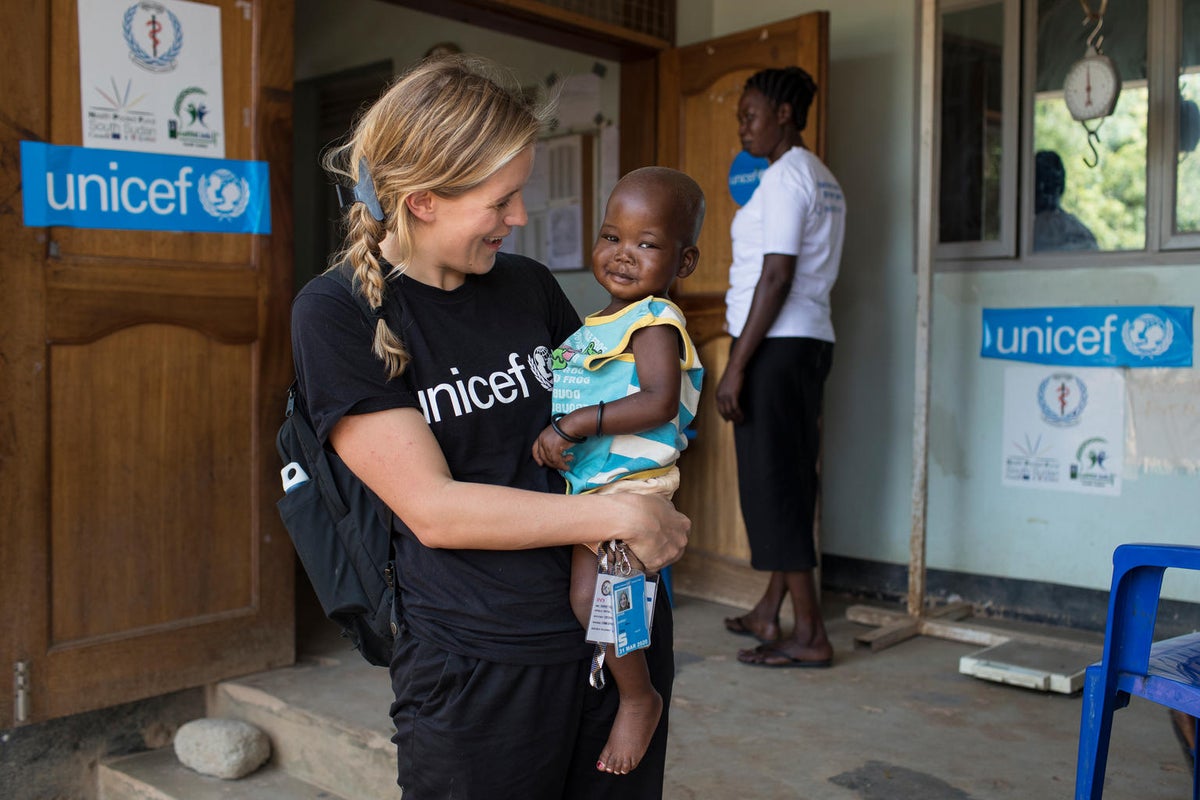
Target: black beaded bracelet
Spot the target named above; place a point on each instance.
(554, 418)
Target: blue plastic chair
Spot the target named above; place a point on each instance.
(1166, 672)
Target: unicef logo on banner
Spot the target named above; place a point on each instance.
(223, 194)
(1090, 336)
(1062, 398)
(744, 174)
(1148, 335)
(85, 187)
(153, 45)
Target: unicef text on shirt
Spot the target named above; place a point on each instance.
(476, 392)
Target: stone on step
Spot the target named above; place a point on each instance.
(222, 748)
(327, 720)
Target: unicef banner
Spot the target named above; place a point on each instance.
(1090, 336)
(81, 187)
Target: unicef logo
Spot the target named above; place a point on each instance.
(1148, 335)
(744, 174)
(151, 45)
(1062, 398)
(223, 194)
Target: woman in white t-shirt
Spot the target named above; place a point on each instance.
(787, 246)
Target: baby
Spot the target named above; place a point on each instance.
(626, 385)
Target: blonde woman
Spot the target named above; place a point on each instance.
(435, 400)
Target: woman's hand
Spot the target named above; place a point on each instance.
(728, 391)
(651, 527)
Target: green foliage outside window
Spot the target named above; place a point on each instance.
(1110, 199)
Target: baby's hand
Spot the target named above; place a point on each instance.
(550, 450)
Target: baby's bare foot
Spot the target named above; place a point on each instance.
(637, 717)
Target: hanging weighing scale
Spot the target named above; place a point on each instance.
(1093, 83)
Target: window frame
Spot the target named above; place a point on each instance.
(1173, 55)
(1163, 247)
(1006, 244)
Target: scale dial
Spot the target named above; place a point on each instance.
(1092, 87)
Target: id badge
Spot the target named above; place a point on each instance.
(629, 611)
(602, 627)
(601, 624)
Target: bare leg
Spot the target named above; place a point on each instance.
(808, 644)
(641, 705)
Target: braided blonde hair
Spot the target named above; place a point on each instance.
(445, 126)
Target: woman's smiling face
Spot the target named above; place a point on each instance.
(465, 232)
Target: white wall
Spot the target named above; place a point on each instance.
(974, 524)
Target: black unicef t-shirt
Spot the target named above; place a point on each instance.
(480, 374)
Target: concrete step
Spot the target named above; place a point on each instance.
(327, 718)
(158, 775)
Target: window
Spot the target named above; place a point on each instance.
(1184, 225)
(978, 125)
(1023, 184)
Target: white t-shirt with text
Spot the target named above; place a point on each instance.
(797, 209)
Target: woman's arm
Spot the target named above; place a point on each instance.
(769, 295)
(396, 454)
(656, 354)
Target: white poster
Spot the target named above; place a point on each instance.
(1064, 429)
(1163, 434)
(150, 76)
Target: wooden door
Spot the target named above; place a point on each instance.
(142, 377)
(699, 87)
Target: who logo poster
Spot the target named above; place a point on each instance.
(1064, 429)
(150, 77)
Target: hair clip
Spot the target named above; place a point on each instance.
(362, 192)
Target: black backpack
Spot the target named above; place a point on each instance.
(335, 524)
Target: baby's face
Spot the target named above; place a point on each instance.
(639, 252)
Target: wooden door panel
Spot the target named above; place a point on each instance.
(143, 376)
(151, 453)
(713, 108)
(699, 87)
(709, 472)
(95, 298)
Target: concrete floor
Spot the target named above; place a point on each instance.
(898, 724)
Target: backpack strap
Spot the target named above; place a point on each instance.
(314, 453)
(392, 309)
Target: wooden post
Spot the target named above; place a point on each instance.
(925, 179)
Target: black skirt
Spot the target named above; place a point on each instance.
(777, 445)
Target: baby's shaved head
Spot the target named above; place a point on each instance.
(682, 198)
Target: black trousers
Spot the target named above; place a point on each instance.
(467, 728)
(777, 446)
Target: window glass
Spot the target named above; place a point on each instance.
(971, 124)
(1078, 206)
(1187, 173)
